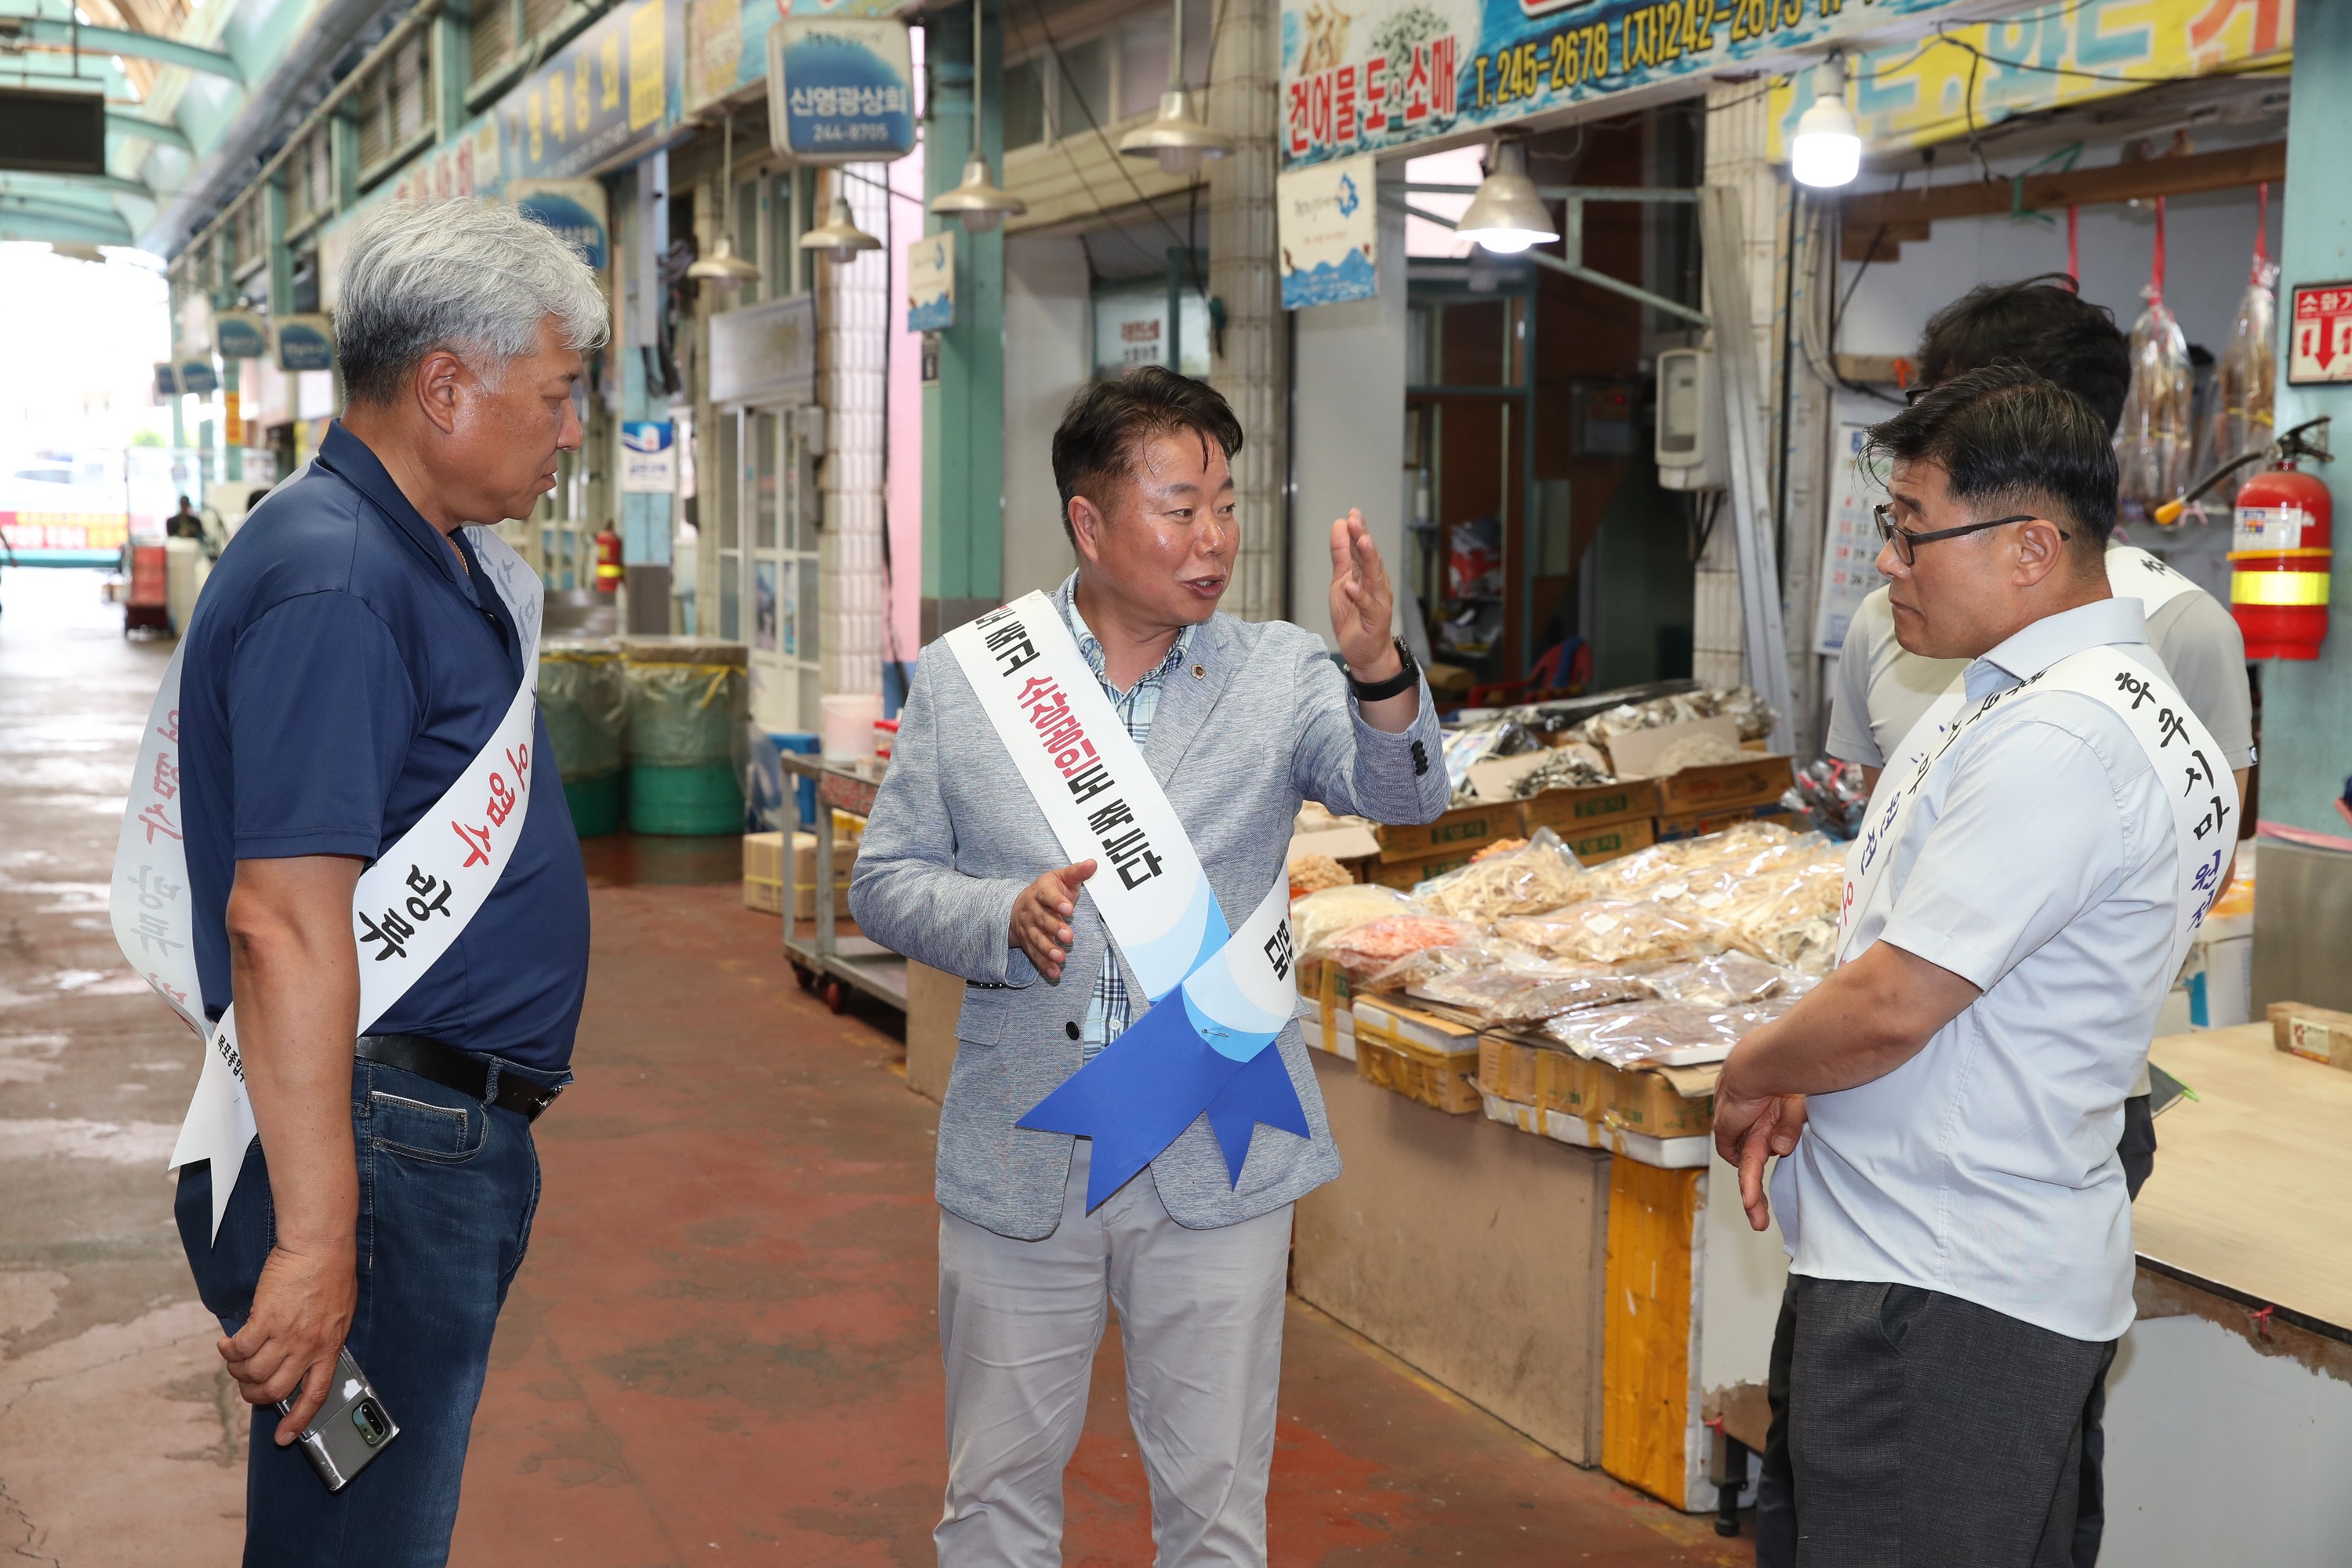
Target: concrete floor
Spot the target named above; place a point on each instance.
(722, 1345)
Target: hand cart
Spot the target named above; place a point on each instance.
(827, 963)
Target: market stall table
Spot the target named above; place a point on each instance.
(827, 963)
(2229, 1410)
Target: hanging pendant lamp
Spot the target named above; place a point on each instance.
(1507, 214)
(839, 236)
(722, 269)
(979, 201)
(1177, 137)
(1826, 151)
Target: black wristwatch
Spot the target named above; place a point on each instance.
(1402, 680)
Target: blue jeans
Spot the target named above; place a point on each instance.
(447, 1187)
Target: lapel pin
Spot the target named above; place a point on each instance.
(1198, 672)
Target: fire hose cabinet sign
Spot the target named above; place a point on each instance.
(2319, 340)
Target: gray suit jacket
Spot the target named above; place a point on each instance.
(1260, 720)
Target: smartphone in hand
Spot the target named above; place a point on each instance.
(349, 1430)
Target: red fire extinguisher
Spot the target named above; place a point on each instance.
(608, 561)
(2280, 551)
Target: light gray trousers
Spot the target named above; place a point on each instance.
(1200, 1316)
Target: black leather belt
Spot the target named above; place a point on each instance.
(453, 1069)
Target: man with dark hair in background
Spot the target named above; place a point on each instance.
(1880, 689)
(1946, 1104)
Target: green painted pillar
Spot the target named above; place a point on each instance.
(453, 65)
(282, 260)
(963, 412)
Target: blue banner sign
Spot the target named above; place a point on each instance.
(840, 90)
(574, 209)
(612, 93)
(197, 376)
(1394, 72)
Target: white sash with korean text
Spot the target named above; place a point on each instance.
(1099, 794)
(406, 911)
(2189, 765)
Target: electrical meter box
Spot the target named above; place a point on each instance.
(1690, 437)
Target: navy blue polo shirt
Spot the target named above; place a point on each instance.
(339, 672)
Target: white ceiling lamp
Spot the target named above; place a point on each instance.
(979, 201)
(1826, 151)
(1507, 214)
(839, 236)
(722, 269)
(1177, 137)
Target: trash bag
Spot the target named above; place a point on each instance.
(586, 703)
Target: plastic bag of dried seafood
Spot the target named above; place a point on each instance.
(1608, 930)
(1675, 1034)
(1319, 915)
(1723, 979)
(2157, 436)
(1543, 875)
(1365, 950)
(2245, 377)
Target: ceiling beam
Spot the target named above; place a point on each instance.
(47, 220)
(119, 41)
(113, 185)
(2136, 180)
(154, 131)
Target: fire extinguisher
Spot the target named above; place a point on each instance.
(608, 561)
(2280, 548)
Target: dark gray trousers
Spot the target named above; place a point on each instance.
(1776, 1502)
(1925, 1431)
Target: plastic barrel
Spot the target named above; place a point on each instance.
(687, 700)
(693, 802)
(584, 703)
(595, 803)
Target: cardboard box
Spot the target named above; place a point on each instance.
(1327, 985)
(1572, 812)
(763, 879)
(1507, 1067)
(1721, 784)
(1459, 832)
(1699, 824)
(1643, 1099)
(2320, 1034)
(1611, 840)
(1636, 752)
(1418, 1055)
(1406, 874)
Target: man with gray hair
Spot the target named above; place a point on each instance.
(362, 774)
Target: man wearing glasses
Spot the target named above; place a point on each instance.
(1882, 686)
(2015, 908)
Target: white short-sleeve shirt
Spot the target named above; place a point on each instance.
(1879, 689)
(2040, 866)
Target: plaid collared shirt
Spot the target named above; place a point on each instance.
(1110, 1010)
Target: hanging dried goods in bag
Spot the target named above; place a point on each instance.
(2156, 438)
(2245, 381)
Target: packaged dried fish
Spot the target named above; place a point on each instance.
(1608, 930)
(1364, 951)
(1323, 914)
(1543, 875)
(2156, 440)
(2245, 378)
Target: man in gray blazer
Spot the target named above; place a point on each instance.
(1239, 722)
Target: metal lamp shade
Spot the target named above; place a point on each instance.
(839, 236)
(722, 267)
(1177, 137)
(980, 202)
(1507, 214)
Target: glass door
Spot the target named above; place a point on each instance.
(769, 580)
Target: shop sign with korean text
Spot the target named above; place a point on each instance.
(198, 377)
(611, 94)
(167, 381)
(727, 40)
(1924, 91)
(931, 282)
(2319, 334)
(574, 209)
(764, 353)
(240, 334)
(1393, 73)
(1327, 223)
(648, 457)
(305, 342)
(840, 89)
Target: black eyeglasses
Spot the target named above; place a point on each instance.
(1906, 543)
